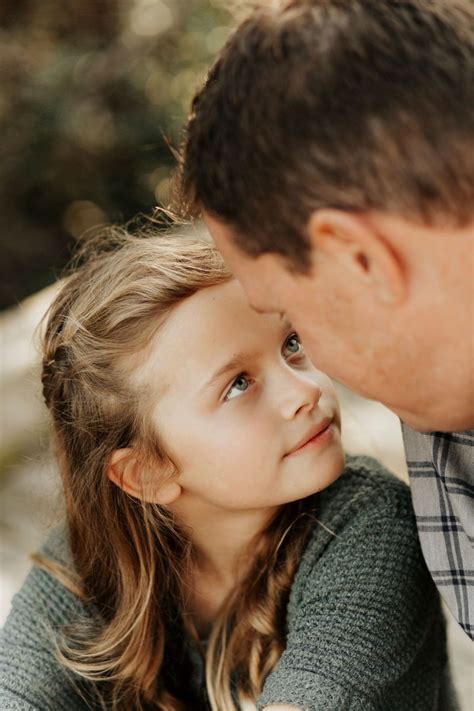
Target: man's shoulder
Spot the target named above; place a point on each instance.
(441, 469)
(440, 450)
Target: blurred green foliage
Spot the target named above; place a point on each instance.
(92, 95)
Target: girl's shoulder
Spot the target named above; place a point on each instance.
(365, 489)
(42, 589)
(364, 623)
(30, 675)
(365, 518)
(55, 546)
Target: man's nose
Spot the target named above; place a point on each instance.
(297, 394)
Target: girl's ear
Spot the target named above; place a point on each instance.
(127, 472)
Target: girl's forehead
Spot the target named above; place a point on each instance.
(213, 325)
(212, 316)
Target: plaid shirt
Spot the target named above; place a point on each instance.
(441, 469)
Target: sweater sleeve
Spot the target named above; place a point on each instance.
(31, 679)
(365, 630)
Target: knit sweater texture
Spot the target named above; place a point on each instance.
(365, 630)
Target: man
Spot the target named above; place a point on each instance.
(331, 152)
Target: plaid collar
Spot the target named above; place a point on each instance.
(441, 469)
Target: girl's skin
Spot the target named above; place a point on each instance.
(232, 435)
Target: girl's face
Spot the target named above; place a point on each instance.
(236, 400)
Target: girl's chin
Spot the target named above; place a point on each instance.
(317, 476)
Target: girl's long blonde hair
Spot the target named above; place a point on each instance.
(133, 564)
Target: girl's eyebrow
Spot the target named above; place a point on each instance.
(236, 363)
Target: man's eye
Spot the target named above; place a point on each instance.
(239, 386)
(293, 345)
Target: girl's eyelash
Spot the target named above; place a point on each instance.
(297, 338)
(244, 375)
(232, 385)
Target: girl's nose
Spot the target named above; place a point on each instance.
(298, 394)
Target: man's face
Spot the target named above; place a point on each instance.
(383, 354)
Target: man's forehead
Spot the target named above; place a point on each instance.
(259, 276)
(224, 238)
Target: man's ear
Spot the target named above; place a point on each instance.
(128, 472)
(352, 242)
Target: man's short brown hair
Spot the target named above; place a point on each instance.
(350, 104)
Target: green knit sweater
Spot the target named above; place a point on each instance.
(365, 629)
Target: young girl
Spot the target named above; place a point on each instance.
(216, 551)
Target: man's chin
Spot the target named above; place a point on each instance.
(436, 422)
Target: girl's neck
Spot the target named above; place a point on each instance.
(225, 543)
(223, 539)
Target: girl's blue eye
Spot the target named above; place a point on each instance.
(293, 344)
(240, 385)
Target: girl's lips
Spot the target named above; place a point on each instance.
(322, 435)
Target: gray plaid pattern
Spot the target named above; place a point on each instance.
(441, 469)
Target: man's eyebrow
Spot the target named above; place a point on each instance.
(257, 309)
(285, 321)
(266, 312)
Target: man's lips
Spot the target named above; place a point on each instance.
(316, 431)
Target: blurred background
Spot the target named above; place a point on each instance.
(92, 98)
(93, 95)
